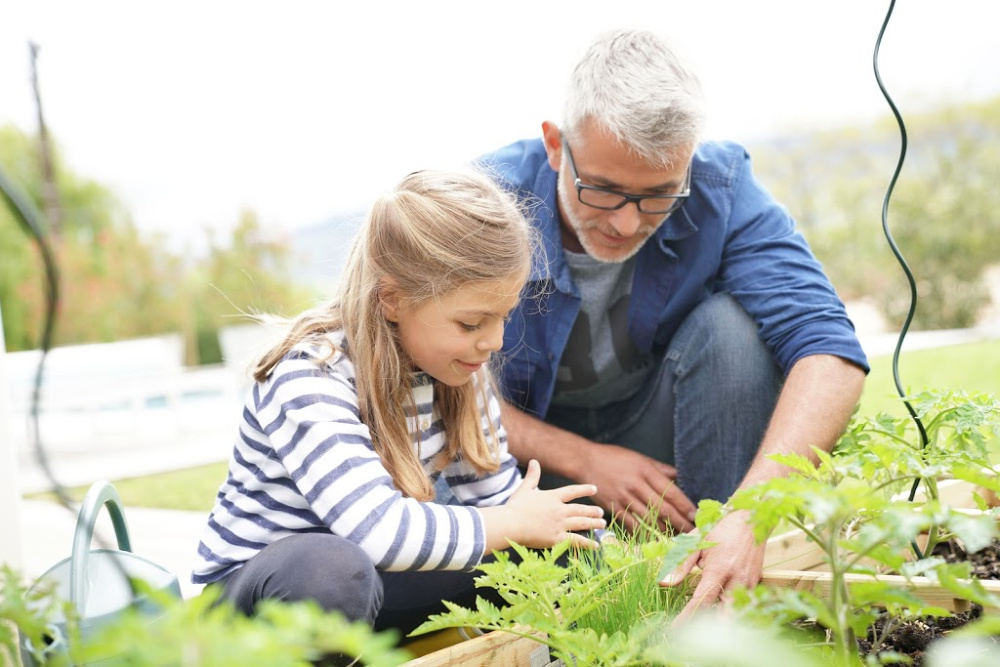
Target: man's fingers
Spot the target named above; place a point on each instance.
(678, 575)
(624, 517)
(669, 514)
(667, 470)
(679, 500)
(709, 591)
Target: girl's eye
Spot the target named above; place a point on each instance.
(468, 327)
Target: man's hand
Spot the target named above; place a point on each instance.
(736, 559)
(629, 483)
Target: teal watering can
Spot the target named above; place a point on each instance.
(97, 581)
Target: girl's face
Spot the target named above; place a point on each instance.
(452, 337)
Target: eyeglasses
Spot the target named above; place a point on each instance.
(612, 200)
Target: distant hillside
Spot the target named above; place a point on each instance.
(321, 250)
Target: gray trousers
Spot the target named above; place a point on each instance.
(339, 576)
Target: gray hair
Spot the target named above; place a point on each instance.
(632, 85)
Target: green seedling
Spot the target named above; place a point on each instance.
(601, 608)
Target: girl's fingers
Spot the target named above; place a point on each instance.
(584, 523)
(581, 542)
(575, 491)
(531, 475)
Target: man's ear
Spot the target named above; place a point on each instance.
(552, 138)
(388, 298)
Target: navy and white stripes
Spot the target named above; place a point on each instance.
(304, 462)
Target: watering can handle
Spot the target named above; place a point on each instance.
(101, 494)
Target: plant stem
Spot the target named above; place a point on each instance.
(845, 643)
(890, 626)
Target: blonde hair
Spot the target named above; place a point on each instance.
(436, 232)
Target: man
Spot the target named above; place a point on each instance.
(677, 329)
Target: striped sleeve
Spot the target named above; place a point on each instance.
(315, 429)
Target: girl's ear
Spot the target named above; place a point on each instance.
(388, 298)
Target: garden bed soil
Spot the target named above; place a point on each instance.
(913, 638)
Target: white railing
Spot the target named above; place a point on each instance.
(113, 410)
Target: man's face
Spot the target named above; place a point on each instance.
(610, 236)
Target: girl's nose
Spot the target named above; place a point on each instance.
(492, 339)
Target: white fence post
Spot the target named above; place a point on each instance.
(10, 493)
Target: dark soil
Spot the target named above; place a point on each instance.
(985, 563)
(913, 637)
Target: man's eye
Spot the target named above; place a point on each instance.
(468, 327)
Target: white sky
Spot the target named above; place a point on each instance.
(191, 111)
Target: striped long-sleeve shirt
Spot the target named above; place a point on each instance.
(304, 462)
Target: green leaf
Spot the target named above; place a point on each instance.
(975, 532)
(796, 462)
(980, 502)
(682, 546)
(708, 514)
(894, 658)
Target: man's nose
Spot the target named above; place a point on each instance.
(626, 220)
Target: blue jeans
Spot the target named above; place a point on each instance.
(704, 409)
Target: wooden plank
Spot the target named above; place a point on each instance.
(792, 551)
(926, 589)
(494, 649)
(958, 493)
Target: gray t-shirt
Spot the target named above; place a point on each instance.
(601, 364)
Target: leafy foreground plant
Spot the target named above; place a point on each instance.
(23, 612)
(599, 608)
(195, 633)
(847, 506)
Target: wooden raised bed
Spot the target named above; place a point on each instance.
(790, 561)
(493, 648)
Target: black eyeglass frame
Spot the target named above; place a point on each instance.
(676, 200)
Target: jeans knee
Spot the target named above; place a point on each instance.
(720, 335)
(335, 573)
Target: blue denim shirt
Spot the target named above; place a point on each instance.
(729, 236)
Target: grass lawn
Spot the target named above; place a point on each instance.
(972, 367)
(188, 489)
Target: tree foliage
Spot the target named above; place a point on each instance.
(117, 282)
(941, 213)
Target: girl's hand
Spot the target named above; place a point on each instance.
(540, 519)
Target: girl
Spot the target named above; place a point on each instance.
(371, 400)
